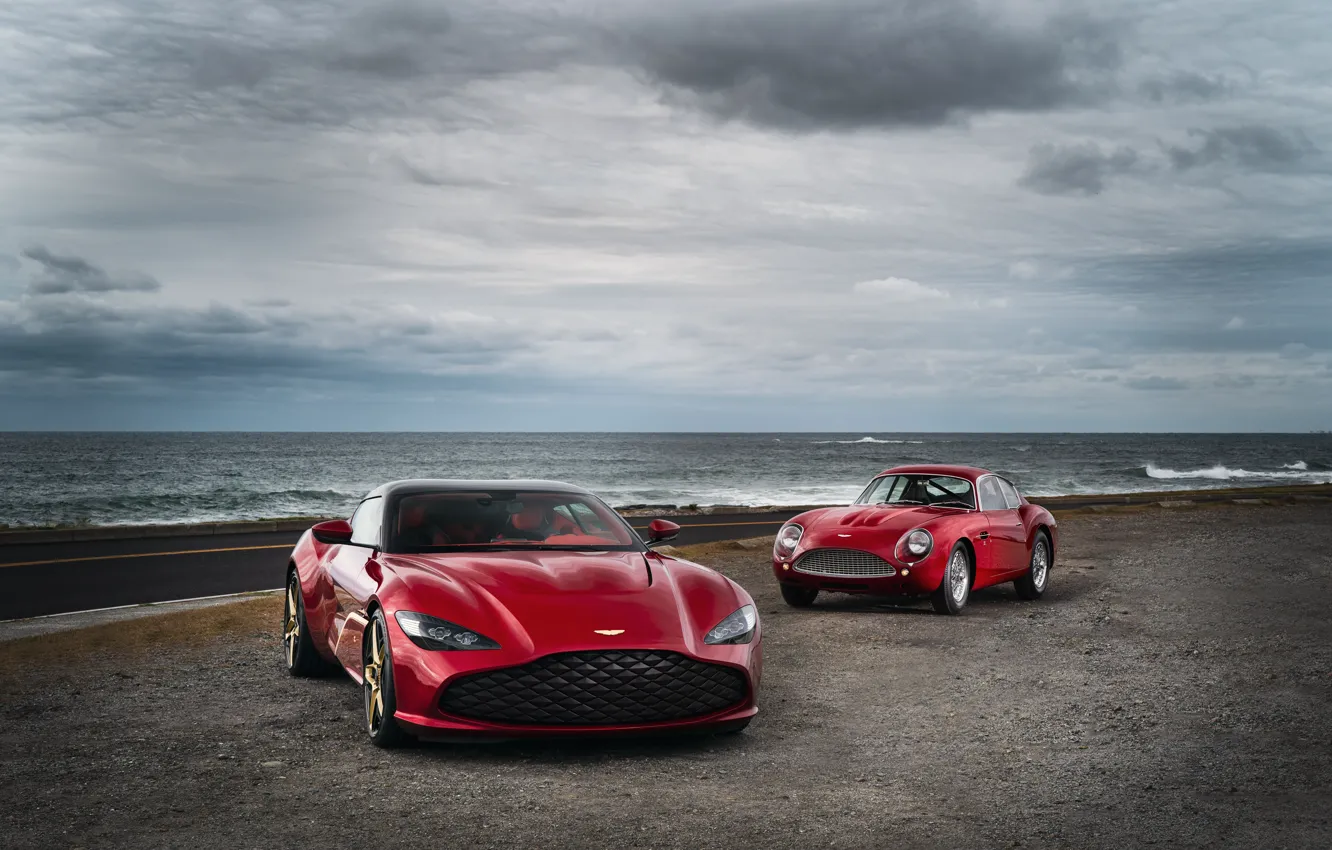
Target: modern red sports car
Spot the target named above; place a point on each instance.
(915, 530)
(503, 609)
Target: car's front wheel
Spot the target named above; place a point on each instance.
(377, 685)
(799, 597)
(955, 589)
(1034, 581)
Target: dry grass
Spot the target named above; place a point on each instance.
(757, 545)
(127, 638)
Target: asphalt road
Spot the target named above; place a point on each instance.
(54, 578)
(39, 579)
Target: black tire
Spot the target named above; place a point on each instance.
(955, 587)
(1032, 583)
(298, 648)
(377, 687)
(799, 597)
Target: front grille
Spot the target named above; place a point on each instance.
(844, 562)
(597, 688)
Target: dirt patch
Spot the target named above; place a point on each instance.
(121, 641)
(1172, 689)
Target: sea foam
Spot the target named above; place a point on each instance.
(1298, 471)
(864, 440)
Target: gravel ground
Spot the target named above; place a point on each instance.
(1172, 688)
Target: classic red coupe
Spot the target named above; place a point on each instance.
(516, 608)
(941, 531)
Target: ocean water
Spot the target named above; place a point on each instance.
(126, 478)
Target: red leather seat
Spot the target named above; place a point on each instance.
(563, 525)
(463, 532)
(532, 518)
(412, 527)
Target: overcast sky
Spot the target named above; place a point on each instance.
(825, 215)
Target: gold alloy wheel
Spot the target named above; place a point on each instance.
(374, 678)
(291, 632)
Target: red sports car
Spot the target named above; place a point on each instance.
(915, 530)
(515, 608)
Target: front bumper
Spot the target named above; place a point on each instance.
(920, 578)
(455, 729)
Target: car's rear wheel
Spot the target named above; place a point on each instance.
(955, 589)
(377, 686)
(799, 597)
(297, 646)
(1034, 581)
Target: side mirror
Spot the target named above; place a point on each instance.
(661, 530)
(333, 531)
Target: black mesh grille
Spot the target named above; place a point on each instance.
(597, 689)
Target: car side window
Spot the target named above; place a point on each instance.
(367, 521)
(991, 497)
(1010, 493)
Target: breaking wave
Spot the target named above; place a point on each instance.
(865, 440)
(1298, 471)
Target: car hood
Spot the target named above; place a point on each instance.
(858, 525)
(554, 601)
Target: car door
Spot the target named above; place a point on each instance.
(1008, 540)
(353, 571)
(1016, 556)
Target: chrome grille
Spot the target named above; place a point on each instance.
(851, 563)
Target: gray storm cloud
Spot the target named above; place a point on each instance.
(61, 274)
(1075, 169)
(692, 212)
(810, 66)
(1251, 146)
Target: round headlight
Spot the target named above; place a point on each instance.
(918, 542)
(789, 538)
(914, 546)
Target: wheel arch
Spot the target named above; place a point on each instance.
(971, 555)
(1049, 536)
(372, 607)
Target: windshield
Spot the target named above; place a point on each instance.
(427, 522)
(942, 490)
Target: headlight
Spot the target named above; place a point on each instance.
(788, 539)
(736, 628)
(433, 633)
(915, 544)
